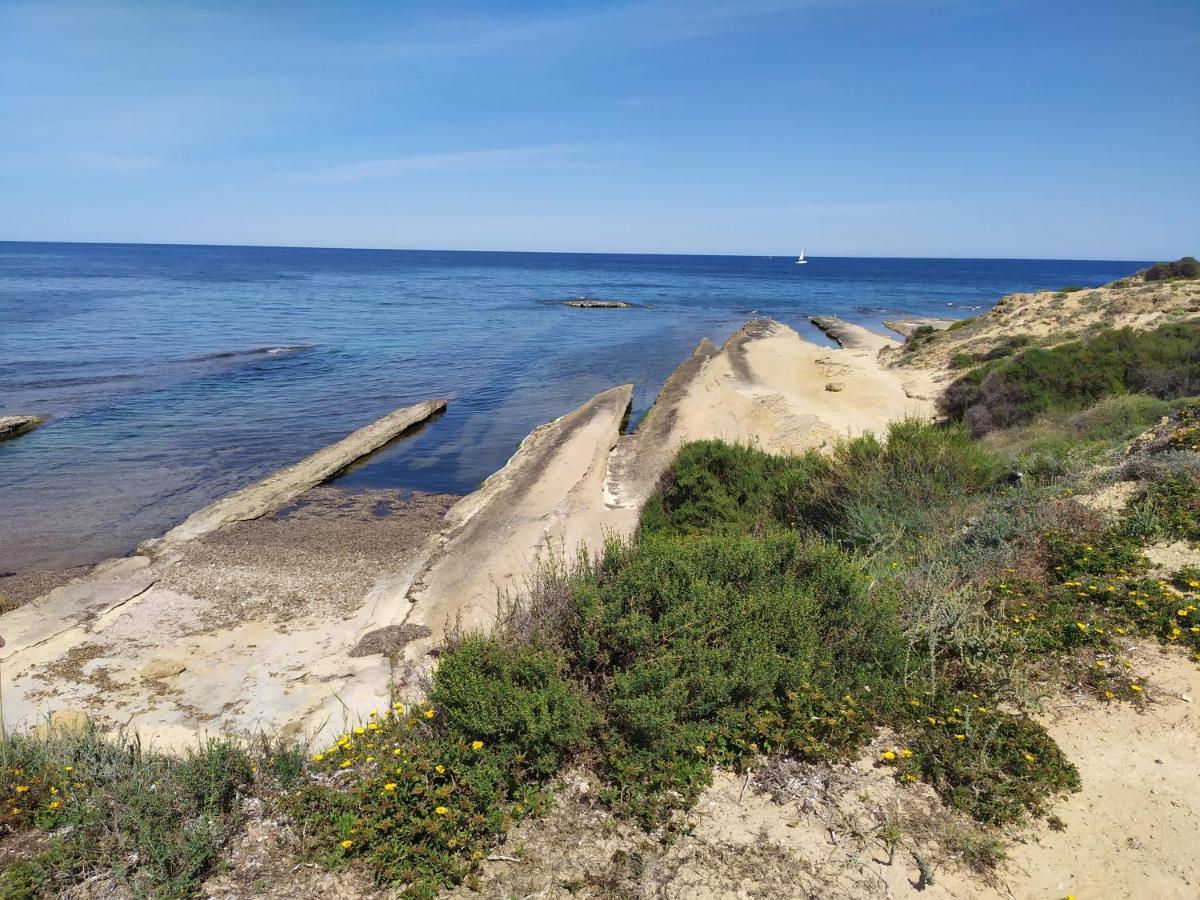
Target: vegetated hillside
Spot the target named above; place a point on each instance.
(771, 611)
(1046, 318)
(1014, 388)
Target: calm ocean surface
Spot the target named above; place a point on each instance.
(172, 375)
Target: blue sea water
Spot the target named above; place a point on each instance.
(172, 375)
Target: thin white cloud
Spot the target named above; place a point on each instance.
(552, 156)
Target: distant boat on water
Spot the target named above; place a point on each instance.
(800, 260)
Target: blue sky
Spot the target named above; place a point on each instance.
(851, 127)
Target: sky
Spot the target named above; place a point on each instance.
(978, 128)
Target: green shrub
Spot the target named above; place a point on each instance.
(714, 486)
(516, 699)
(993, 765)
(1163, 363)
(705, 649)
(1168, 507)
(415, 803)
(879, 494)
(1187, 267)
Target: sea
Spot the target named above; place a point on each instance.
(171, 375)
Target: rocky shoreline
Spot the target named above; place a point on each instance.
(249, 622)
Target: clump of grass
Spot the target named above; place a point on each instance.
(155, 823)
(1164, 363)
(1167, 507)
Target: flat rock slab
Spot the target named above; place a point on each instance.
(851, 336)
(12, 426)
(584, 303)
(548, 498)
(907, 327)
(281, 487)
(203, 636)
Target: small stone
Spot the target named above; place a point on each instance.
(835, 386)
(162, 668)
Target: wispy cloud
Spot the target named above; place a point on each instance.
(551, 156)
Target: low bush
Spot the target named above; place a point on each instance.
(1187, 267)
(517, 700)
(708, 650)
(884, 494)
(1163, 363)
(155, 823)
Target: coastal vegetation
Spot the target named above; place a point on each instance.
(1187, 267)
(1010, 390)
(769, 607)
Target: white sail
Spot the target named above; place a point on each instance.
(800, 260)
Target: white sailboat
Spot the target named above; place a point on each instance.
(800, 260)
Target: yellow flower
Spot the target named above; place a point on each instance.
(960, 737)
(440, 769)
(370, 759)
(906, 753)
(699, 748)
(53, 804)
(396, 752)
(360, 730)
(347, 844)
(318, 757)
(1136, 688)
(429, 714)
(441, 810)
(389, 787)
(1029, 757)
(476, 745)
(68, 768)
(22, 788)
(888, 755)
(346, 763)
(373, 713)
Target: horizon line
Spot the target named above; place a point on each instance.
(552, 252)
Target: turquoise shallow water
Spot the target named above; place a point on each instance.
(172, 375)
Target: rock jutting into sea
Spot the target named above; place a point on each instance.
(271, 493)
(12, 426)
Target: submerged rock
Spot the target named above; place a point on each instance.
(588, 303)
(11, 426)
